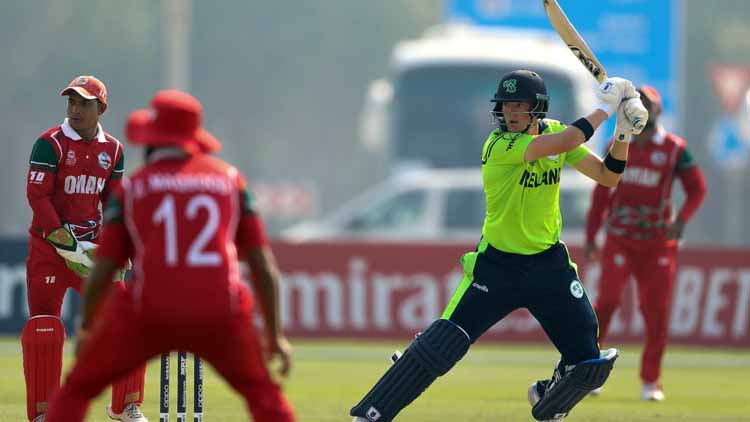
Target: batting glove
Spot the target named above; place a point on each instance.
(611, 93)
(631, 119)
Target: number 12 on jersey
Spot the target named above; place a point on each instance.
(197, 255)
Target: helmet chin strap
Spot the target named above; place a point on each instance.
(526, 130)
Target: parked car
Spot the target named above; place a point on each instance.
(433, 205)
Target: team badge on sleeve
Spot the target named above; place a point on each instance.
(105, 161)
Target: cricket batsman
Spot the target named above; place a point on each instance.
(520, 261)
(642, 235)
(73, 168)
(185, 219)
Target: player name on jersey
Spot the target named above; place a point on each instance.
(194, 182)
(534, 180)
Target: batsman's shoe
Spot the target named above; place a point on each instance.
(39, 418)
(596, 392)
(131, 413)
(536, 392)
(652, 392)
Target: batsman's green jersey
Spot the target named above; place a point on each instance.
(523, 210)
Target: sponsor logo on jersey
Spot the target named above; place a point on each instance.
(84, 184)
(481, 287)
(641, 176)
(70, 159)
(534, 180)
(105, 161)
(658, 158)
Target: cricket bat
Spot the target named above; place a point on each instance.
(573, 39)
(578, 46)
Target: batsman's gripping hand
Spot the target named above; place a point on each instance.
(631, 119)
(611, 92)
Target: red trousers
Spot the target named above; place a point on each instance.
(47, 280)
(653, 265)
(124, 338)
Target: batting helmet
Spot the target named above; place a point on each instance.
(524, 86)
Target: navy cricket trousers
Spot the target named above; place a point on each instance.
(496, 283)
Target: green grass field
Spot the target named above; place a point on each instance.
(489, 384)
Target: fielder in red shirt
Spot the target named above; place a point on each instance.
(185, 219)
(73, 169)
(642, 235)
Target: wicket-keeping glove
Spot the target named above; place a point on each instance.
(78, 255)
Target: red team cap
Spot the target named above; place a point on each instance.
(174, 119)
(652, 94)
(89, 88)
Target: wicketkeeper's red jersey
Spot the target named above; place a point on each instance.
(182, 219)
(68, 177)
(640, 207)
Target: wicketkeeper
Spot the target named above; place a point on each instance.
(73, 169)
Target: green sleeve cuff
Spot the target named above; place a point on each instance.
(113, 211)
(119, 169)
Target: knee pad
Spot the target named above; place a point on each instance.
(440, 346)
(563, 394)
(431, 354)
(42, 342)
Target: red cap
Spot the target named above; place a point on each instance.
(652, 94)
(174, 119)
(89, 88)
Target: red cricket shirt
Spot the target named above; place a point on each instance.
(68, 179)
(640, 206)
(182, 220)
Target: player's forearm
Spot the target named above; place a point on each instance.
(265, 276)
(574, 136)
(95, 288)
(267, 291)
(611, 174)
(111, 186)
(595, 216)
(44, 211)
(569, 139)
(695, 188)
(46, 215)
